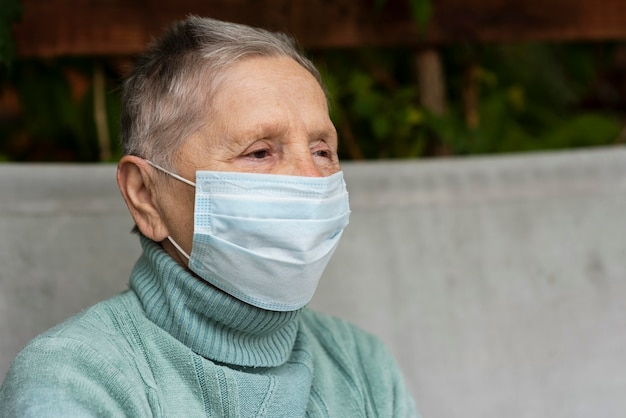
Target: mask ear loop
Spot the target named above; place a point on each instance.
(178, 247)
(176, 176)
(184, 180)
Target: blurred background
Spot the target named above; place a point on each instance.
(408, 78)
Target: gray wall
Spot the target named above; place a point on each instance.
(498, 283)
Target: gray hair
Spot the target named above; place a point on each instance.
(168, 94)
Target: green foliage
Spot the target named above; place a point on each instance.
(373, 110)
(10, 12)
(533, 98)
(529, 97)
(55, 123)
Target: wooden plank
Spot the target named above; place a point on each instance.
(123, 27)
(544, 20)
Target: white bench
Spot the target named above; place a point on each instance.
(499, 283)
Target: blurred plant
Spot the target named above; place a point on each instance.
(532, 97)
(56, 121)
(10, 12)
(503, 98)
(374, 103)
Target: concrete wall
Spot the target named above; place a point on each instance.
(498, 283)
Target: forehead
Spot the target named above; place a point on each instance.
(267, 76)
(274, 103)
(260, 91)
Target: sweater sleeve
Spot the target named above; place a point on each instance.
(61, 377)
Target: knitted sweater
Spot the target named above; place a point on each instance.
(174, 346)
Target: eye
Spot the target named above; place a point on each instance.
(259, 154)
(322, 153)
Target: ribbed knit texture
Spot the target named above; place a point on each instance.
(210, 322)
(174, 346)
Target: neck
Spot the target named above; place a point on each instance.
(210, 322)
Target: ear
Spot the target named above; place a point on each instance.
(138, 190)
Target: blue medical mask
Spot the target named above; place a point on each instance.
(265, 238)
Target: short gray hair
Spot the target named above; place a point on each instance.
(167, 95)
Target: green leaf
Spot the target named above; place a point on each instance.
(587, 129)
(380, 127)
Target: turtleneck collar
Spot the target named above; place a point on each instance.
(212, 323)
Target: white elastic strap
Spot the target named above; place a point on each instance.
(176, 176)
(180, 250)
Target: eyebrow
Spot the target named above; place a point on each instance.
(329, 132)
(271, 129)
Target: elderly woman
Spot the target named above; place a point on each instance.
(231, 175)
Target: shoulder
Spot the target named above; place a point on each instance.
(80, 365)
(101, 328)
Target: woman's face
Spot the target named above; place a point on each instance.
(268, 115)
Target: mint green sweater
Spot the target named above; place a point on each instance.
(173, 346)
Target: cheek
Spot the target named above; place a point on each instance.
(187, 209)
(327, 167)
(180, 215)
